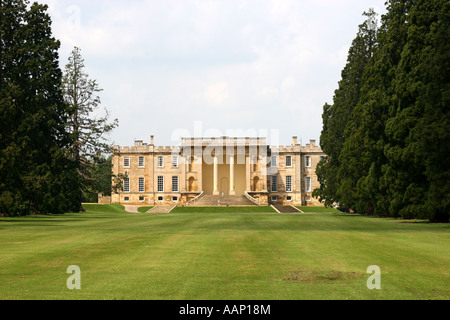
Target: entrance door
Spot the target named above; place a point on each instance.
(224, 186)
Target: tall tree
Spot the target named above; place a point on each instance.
(37, 176)
(417, 129)
(336, 117)
(88, 128)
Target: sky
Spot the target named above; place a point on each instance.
(193, 68)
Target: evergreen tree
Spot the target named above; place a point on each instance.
(37, 176)
(417, 131)
(337, 117)
(87, 127)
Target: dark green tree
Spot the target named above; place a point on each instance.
(417, 130)
(336, 117)
(37, 176)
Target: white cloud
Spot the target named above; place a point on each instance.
(258, 64)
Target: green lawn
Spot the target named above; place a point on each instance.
(221, 256)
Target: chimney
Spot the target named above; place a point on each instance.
(152, 140)
(294, 141)
(312, 142)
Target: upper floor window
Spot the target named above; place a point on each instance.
(274, 161)
(288, 161)
(175, 161)
(160, 161)
(308, 161)
(141, 162)
(126, 162)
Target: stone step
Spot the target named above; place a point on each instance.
(210, 201)
(161, 209)
(286, 209)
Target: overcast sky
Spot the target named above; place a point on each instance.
(173, 68)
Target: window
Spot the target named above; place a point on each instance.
(126, 185)
(160, 184)
(288, 183)
(141, 199)
(307, 198)
(274, 161)
(175, 199)
(126, 162)
(308, 184)
(289, 198)
(175, 161)
(274, 199)
(175, 184)
(308, 162)
(126, 199)
(160, 161)
(141, 185)
(160, 199)
(141, 162)
(289, 161)
(274, 184)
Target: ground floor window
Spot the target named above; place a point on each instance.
(274, 199)
(126, 185)
(289, 184)
(161, 184)
(141, 199)
(160, 199)
(175, 184)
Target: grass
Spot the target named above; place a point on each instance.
(318, 210)
(234, 255)
(144, 209)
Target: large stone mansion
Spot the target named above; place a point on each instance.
(180, 175)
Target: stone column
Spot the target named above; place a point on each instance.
(232, 185)
(216, 176)
(248, 184)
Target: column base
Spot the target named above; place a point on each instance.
(232, 193)
(216, 193)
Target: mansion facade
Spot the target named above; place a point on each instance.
(179, 175)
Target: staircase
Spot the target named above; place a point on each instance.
(161, 209)
(232, 201)
(286, 209)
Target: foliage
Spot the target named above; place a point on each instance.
(88, 128)
(391, 133)
(36, 174)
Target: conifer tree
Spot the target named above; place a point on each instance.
(336, 117)
(88, 128)
(37, 176)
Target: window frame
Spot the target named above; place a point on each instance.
(274, 184)
(125, 160)
(141, 183)
(290, 159)
(160, 162)
(126, 185)
(290, 189)
(175, 162)
(308, 161)
(160, 183)
(177, 178)
(308, 184)
(141, 164)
